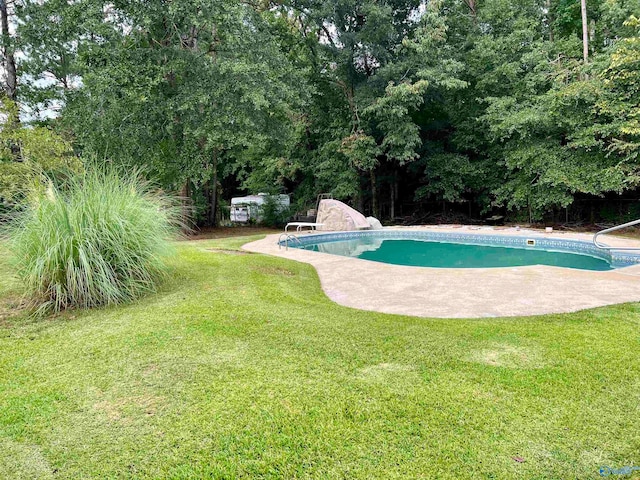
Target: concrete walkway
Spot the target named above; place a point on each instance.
(466, 293)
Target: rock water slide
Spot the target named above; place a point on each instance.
(337, 216)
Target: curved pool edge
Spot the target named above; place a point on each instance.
(617, 258)
(464, 293)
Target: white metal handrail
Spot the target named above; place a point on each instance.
(613, 229)
(287, 237)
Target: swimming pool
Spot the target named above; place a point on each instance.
(465, 250)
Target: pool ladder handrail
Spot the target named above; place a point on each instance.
(613, 229)
(287, 236)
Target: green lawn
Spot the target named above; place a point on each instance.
(242, 368)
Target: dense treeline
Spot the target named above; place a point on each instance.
(499, 105)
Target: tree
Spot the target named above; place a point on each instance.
(491, 103)
(620, 100)
(8, 52)
(28, 152)
(52, 35)
(380, 61)
(186, 91)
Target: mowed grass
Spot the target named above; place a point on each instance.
(242, 368)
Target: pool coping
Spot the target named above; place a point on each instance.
(530, 241)
(466, 292)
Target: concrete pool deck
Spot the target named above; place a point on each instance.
(466, 293)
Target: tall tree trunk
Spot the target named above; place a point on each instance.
(549, 15)
(374, 194)
(394, 194)
(8, 53)
(185, 199)
(585, 31)
(392, 209)
(213, 190)
(472, 9)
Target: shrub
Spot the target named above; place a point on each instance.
(100, 239)
(25, 152)
(272, 213)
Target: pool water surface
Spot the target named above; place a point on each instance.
(423, 253)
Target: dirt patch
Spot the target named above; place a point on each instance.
(228, 232)
(274, 271)
(11, 307)
(27, 459)
(386, 372)
(228, 252)
(508, 356)
(119, 409)
(150, 370)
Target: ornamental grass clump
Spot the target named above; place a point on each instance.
(100, 239)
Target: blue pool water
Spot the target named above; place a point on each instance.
(423, 253)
